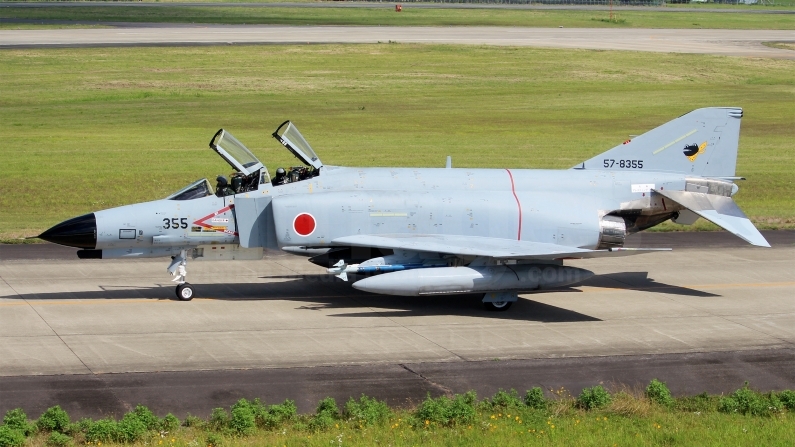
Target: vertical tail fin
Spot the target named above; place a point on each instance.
(703, 142)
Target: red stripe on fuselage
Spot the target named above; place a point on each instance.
(518, 204)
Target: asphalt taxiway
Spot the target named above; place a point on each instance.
(707, 316)
(390, 6)
(746, 43)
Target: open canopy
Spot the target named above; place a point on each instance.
(291, 138)
(235, 153)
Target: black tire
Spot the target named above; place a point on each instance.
(501, 306)
(185, 292)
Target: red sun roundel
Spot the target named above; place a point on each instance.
(304, 224)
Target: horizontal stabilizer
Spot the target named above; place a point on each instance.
(720, 210)
(481, 246)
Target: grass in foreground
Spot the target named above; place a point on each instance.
(408, 17)
(88, 129)
(595, 417)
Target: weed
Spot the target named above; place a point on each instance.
(80, 426)
(219, 419)
(242, 421)
(787, 398)
(10, 437)
(445, 411)
(505, 399)
(275, 415)
(54, 419)
(57, 439)
(325, 415)
(593, 398)
(146, 417)
(321, 422)
(169, 423)
(366, 411)
(72, 429)
(284, 411)
(130, 428)
(103, 430)
(534, 398)
(659, 393)
(16, 419)
(214, 440)
(192, 421)
(747, 401)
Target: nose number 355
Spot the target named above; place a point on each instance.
(175, 223)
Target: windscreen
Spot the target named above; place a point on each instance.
(198, 189)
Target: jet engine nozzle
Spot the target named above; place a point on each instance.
(79, 232)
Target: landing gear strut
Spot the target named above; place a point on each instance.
(178, 270)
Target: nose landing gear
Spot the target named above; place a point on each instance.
(178, 269)
(185, 292)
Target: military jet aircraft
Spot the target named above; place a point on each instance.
(423, 231)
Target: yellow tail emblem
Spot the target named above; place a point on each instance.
(691, 151)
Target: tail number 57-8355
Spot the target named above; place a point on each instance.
(624, 164)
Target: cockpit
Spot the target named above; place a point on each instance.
(249, 172)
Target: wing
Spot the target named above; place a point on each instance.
(482, 246)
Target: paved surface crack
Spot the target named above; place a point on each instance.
(447, 391)
(354, 299)
(48, 325)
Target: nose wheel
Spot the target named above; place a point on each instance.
(178, 269)
(185, 292)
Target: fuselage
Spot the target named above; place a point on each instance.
(565, 207)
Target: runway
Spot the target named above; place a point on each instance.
(745, 43)
(281, 328)
(388, 5)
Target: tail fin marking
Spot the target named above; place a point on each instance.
(703, 142)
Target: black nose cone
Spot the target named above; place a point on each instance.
(80, 232)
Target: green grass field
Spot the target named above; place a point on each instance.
(409, 16)
(87, 129)
(657, 428)
(624, 418)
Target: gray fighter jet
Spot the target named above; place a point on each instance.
(421, 231)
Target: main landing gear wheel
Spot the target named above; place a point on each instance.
(185, 292)
(499, 306)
